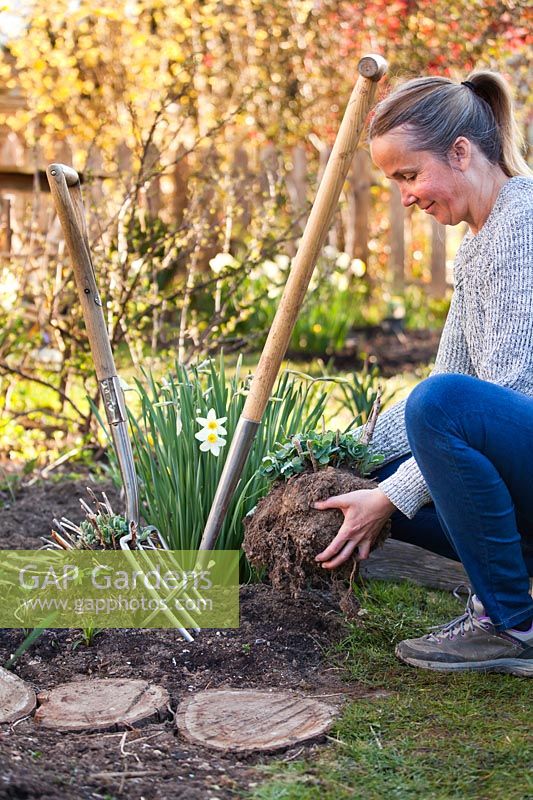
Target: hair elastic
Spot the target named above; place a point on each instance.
(470, 85)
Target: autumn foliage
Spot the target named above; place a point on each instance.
(105, 75)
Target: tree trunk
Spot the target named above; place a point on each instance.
(179, 194)
(401, 561)
(324, 152)
(297, 184)
(153, 182)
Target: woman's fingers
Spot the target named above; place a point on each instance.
(364, 549)
(342, 556)
(337, 501)
(336, 544)
(365, 513)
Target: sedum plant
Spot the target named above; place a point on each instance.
(314, 450)
(181, 437)
(101, 529)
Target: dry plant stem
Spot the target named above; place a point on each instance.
(368, 430)
(298, 445)
(60, 541)
(312, 457)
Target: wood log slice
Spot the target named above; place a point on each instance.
(101, 704)
(402, 561)
(17, 698)
(248, 720)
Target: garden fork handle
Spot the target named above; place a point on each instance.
(66, 193)
(371, 68)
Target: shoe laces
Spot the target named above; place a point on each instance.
(466, 622)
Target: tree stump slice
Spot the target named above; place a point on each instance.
(17, 698)
(239, 720)
(101, 704)
(400, 561)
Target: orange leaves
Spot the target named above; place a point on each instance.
(110, 71)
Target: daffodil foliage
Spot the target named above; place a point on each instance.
(180, 440)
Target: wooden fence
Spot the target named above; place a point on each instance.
(351, 232)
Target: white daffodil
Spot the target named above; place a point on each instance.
(343, 261)
(221, 262)
(210, 441)
(340, 281)
(9, 286)
(283, 261)
(211, 424)
(124, 386)
(212, 432)
(271, 270)
(358, 267)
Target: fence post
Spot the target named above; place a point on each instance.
(397, 239)
(6, 231)
(356, 233)
(438, 258)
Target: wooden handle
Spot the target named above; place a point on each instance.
(66, 193)
(371, 68)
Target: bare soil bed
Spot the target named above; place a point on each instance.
(280, 643)
(393, 352)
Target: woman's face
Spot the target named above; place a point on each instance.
(435, 186)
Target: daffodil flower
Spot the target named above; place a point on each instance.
(211, 424)
(212, 432)
(343, 261)
(221, 262)
(210, 442)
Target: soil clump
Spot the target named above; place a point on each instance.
(285, 532)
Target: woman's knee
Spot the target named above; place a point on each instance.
(428, 400)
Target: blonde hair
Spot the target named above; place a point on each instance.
(435, 111)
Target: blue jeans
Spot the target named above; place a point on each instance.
(473, 443)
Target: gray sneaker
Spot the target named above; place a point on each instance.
(470, 642)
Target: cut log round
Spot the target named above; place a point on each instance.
(240, 720)
(101, 704)
(402, 561)
(17, 698)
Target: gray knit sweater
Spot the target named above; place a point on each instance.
(488, 331)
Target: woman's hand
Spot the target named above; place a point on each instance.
(365, 513)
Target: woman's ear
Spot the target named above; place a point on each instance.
(460, 154)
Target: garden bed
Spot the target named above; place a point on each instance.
(393, 352)
(279, 644)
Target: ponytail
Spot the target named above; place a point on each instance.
(435, 111)
(491, 87)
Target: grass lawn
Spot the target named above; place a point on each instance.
(434, 737)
